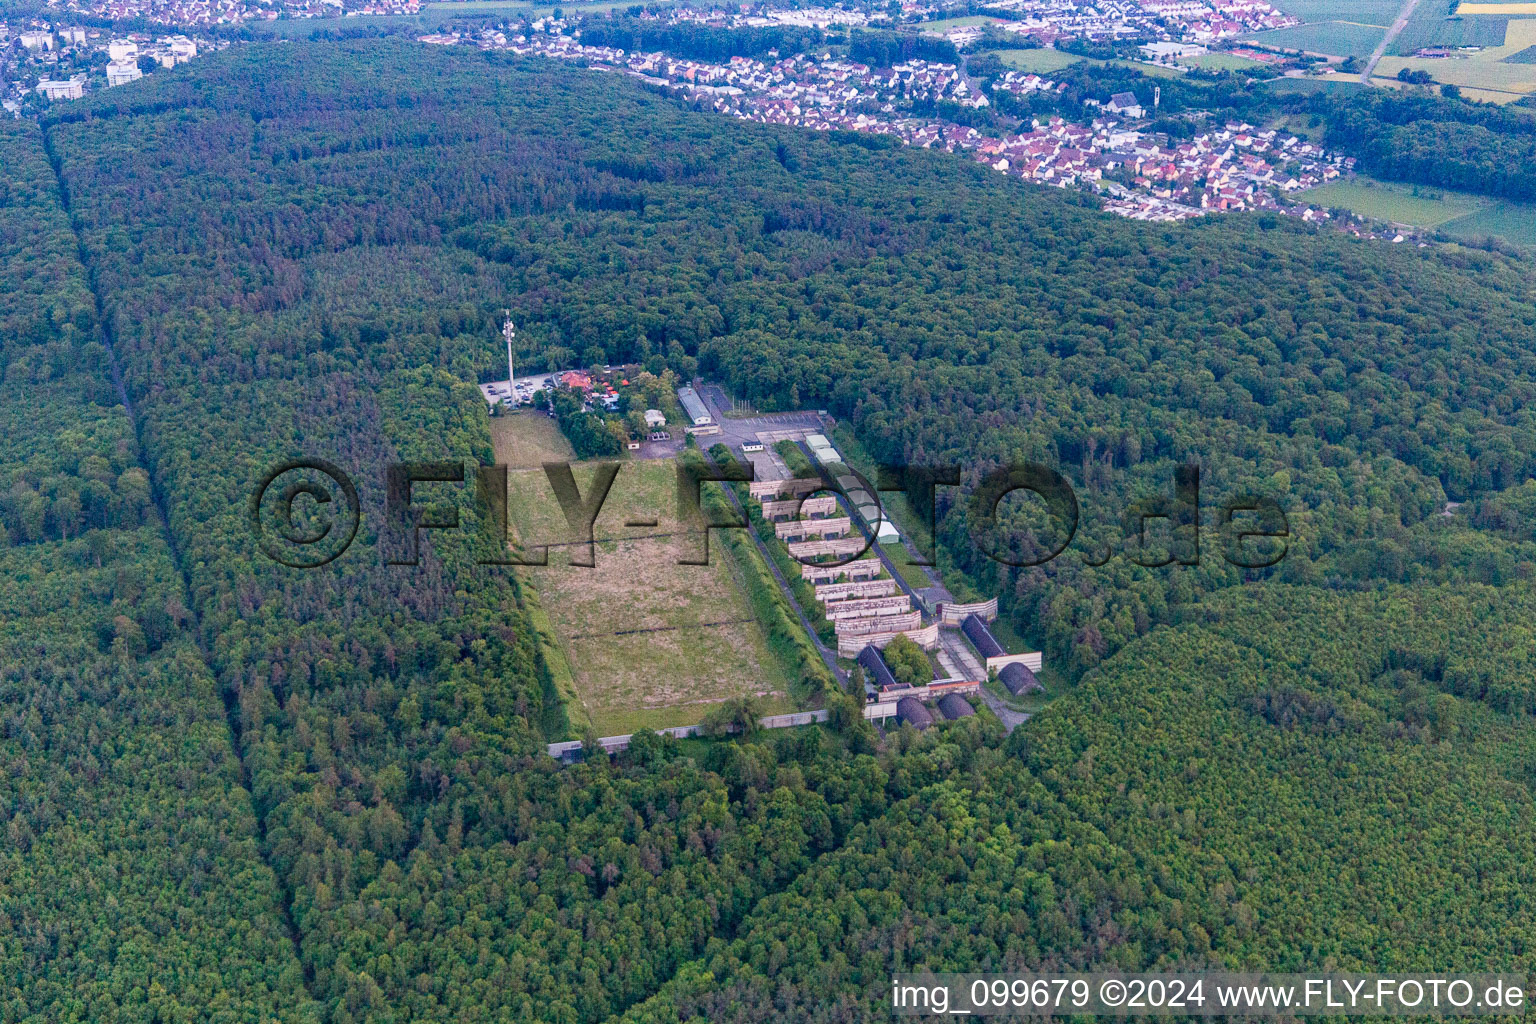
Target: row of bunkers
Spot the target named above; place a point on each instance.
(866, 607)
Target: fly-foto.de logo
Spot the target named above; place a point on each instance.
(306, 512)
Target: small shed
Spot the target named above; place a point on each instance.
(910, 710)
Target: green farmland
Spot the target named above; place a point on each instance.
(1514, 223)
(1394, 203)
(1224, 62)
(1040, 61)
(1337, 38)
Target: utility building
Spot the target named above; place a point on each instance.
(694, 407)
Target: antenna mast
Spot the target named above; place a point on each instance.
(509, 333)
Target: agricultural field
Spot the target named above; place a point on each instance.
(1432, 24)
(1395, 203)
(1459, 214)
(645, 641)
(1309, 86)
(1485, 74)
(1514, 223)
(1335, 38)
(1040, 61)
(1044, 61)
(1364, 12)
(1475, 8)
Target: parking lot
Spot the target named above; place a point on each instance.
(523, 388)
(735, 432)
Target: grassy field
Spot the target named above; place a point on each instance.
(528, 439)
(1337, 38)
(1223, 62)
(1040, 61)
(1458, 214)
(913, 575)
(645, 641)
(643, 491)
(945, 24)
(1298, 125)
(1309, 86)
(1044, 60)
(1395, 203)
(1484, 74)
(1151, 70)
(1511, 222)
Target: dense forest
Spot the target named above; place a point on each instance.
(701, 42)
(1290, 779)
(132, 883)
(883, 49)
(323, 792)
(1419, 137)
